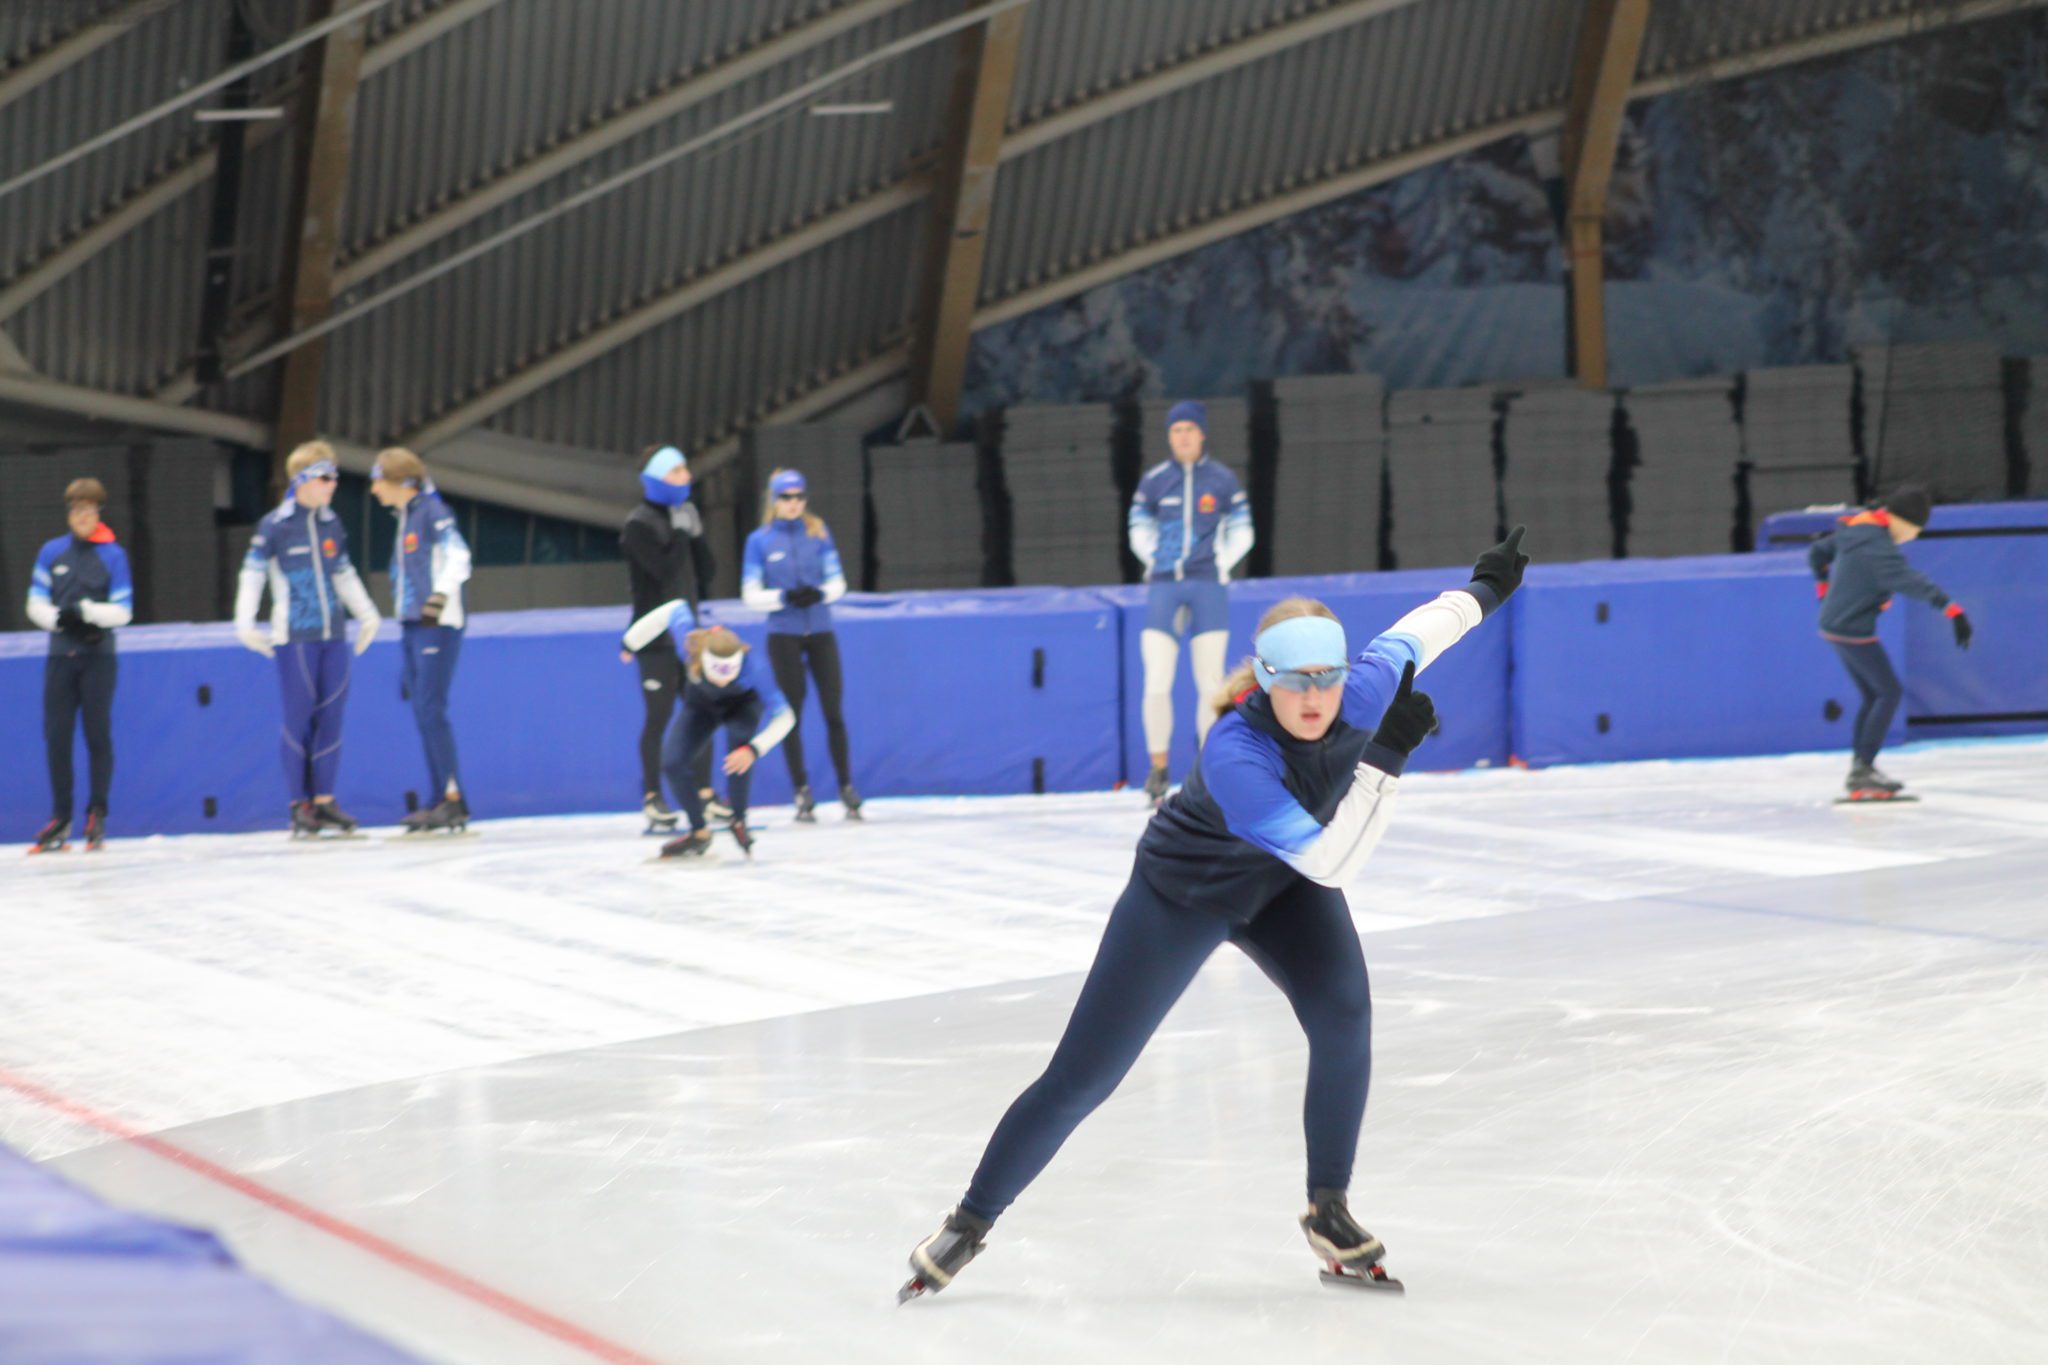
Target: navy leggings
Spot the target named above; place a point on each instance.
(1303, 940)
(1872, 670)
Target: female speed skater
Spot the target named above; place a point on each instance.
(1284, 805)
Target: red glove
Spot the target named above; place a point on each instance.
(1820, 588)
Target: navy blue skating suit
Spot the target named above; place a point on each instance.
(80, 592)
(749, 708)
(429, 560)
(1255, 849)
(301, 556)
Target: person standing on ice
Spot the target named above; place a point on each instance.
(81, 593)
(791, 570)
(1190, 525)
(668, 558)
(1858, 567)
(300, 552)
(1283, 807)
(429, 565)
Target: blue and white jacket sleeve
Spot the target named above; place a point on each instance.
(119, 608)
(1244, 771)
(1144, 529)
(834, 586)
(1420, 638)
(1234, 535)
(449, 563)
(41, 610)
(777, 720)
(673, 616)
(754, 590)
(256, 568)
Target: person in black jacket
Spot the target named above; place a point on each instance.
(1859, 567)
(667, 559)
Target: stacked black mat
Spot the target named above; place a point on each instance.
(928, 516)
(1333, 450)
(1935, 415)
(1687, 449)
(1558, 442)
(1440, 465)
(1798, 442)
(1066, 515)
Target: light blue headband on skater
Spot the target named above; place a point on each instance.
(1300, 653)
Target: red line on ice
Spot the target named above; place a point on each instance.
(452, 1280)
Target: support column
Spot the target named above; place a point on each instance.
(963, 197)
(1610, 45)
(325, 127)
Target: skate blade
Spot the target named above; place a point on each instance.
(420, 837)
(916, 1288)
(1875, 800)
(34, 849)
(1372, 1278)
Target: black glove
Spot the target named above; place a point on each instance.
(1501, 567)
(802, 597)
(430, 610)
(1410, 717)
(71, 621)
(1963, 631)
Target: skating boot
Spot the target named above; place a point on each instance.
(806, 808)
(741, 836)
(1870, 779)
(52, 836)
(715, 810)
(1155, 785)
(689, 846)
(328, 815)
(661, 817)
(850, 798)
(452, 814)
(1350, 1253)
(939, 1257)
(305, 824)
(95, 828)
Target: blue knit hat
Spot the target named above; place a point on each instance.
(654, 477)
(1189, 410)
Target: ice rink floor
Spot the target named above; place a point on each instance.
(1674, 1062)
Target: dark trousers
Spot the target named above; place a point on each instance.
(1303, 940)
(1871, 669)
(314, 675)
(661, 680)
(687, 747)
(78, 681)
(787, 655)
(431, 653)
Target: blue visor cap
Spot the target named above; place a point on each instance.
(788, 481)
(1305, 652)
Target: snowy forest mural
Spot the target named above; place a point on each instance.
(1897, 194)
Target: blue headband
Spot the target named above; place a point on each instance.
(788, 481)
(654, 477)
(1189, 410)
(316, 470)
(1298, 643)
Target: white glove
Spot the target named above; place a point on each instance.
(258, 640)
(366, 632)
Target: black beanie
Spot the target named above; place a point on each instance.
(1910, 502)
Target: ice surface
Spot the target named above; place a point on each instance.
(1674, 1062)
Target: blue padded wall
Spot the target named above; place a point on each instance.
(1708, 656)
(1469, 685)
(939, 698)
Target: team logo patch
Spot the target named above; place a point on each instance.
(412, 541)
(1207, 503)
(327, 547)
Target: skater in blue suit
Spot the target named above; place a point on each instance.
(1281, 811)
(1190, 525)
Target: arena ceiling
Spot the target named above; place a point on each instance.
(768, 273)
